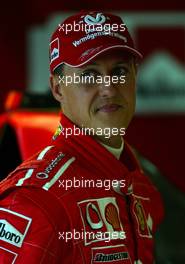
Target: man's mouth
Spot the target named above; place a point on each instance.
(107, 108)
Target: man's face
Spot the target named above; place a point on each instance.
(100, 104)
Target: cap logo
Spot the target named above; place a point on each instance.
(54, 49)
(99, 19)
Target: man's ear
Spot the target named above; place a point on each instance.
(56, 87)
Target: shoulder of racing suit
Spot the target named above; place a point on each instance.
(37, 178)
(31, 213)
(42, 170)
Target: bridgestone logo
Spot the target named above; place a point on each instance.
(100, 257)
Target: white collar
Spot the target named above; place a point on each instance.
(115, 151)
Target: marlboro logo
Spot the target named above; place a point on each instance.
(13, 227)
(54, 49)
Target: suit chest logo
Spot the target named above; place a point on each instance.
(101, 217)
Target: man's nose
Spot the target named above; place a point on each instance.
(107, 88)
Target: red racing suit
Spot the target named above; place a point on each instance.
(74, 202)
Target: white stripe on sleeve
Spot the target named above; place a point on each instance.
(58, 174)
(30, 171)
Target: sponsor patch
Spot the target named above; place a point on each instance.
(54, 50)
(89, 52)
(141, 207)
(111, 254)
(13, 227)
(50, 167)
(99, 19)
(7, 256)
(101, 216)
(57, 132)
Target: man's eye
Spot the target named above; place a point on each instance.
(119, 71)
(89, 77)
(89, 73)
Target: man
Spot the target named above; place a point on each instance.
(84, 198)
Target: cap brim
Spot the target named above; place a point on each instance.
(130, 50)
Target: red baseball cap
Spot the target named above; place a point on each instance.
(80, 38)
